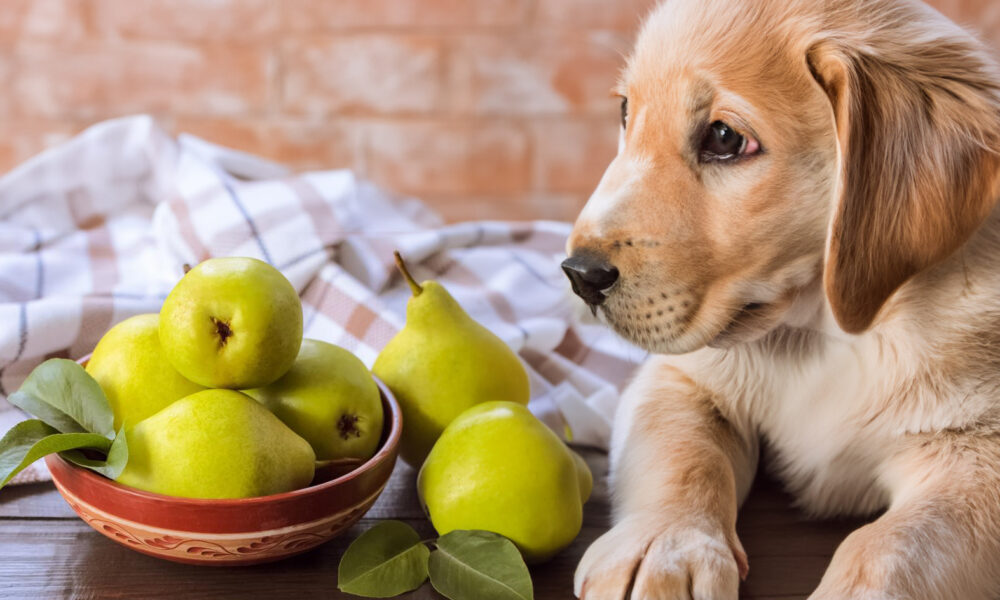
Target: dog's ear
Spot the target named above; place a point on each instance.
(918, 128)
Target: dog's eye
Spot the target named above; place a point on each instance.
(624, 111)
(722, 143)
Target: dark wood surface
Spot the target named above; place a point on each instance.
(47, 552)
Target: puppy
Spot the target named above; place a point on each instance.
(801, 223)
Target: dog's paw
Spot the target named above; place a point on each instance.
(670, 562)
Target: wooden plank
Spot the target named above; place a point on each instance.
(37, 500)
(783, 576)
(774, 533)
(65, 558)
(46, 552)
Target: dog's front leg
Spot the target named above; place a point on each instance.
(679, 471)
(940, 537)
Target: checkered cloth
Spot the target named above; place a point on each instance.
(98, 230)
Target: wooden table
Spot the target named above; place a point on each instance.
(47, 552)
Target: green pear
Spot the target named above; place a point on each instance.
(129, 365)
(329, 398)
(498, 468)
(441, 363)
(216, 444)
(232, 323)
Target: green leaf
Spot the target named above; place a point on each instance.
(63, 395)
(30, 440)
(387, 560)
(112, 466)
(51, 416)
(479, 565)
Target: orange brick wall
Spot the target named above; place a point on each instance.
(486, 108)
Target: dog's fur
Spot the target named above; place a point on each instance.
(835, 296)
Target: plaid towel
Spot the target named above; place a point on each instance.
(98, 230)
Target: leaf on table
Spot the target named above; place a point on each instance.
(112, 466)
(30, 440)
(479, 565)
(387, 560)
(63, 395)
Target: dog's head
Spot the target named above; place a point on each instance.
(775, 146)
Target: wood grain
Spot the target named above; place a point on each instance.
(46, 552)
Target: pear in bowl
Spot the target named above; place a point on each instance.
(233, 323)
(216, 444)
(129, 365)
(329, 398)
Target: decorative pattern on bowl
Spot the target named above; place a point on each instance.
(231, 549)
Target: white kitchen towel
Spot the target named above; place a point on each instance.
(99, 229)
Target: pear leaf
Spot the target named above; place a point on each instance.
(387, 560)
(479, 565)
(64, 396)
(112, 466)
(30, 440)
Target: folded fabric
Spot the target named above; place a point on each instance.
(98, 229)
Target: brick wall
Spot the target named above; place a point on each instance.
(486, 108)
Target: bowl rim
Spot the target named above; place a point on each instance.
(384, 451)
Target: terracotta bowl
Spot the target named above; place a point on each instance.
(233, 532)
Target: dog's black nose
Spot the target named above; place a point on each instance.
(590, 274)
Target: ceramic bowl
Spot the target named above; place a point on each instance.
(232, 532)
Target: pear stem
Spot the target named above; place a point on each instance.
(406, 274)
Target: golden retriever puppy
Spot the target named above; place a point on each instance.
(801, 223)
